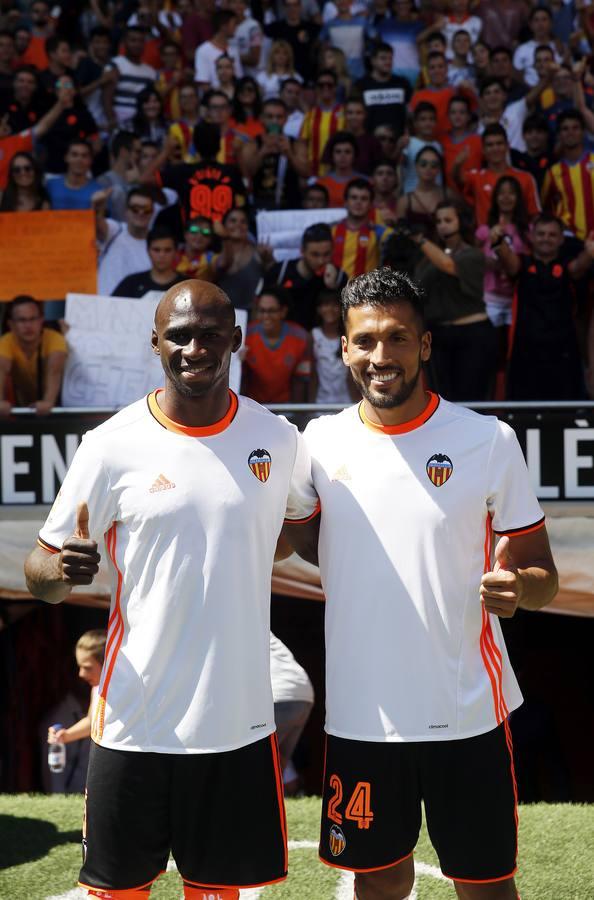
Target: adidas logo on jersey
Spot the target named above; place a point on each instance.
(161, 484)
(342, 474)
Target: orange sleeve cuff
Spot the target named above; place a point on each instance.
(49, 547)
(315, 513)
(526, 529)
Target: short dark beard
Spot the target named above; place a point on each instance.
(390, 401)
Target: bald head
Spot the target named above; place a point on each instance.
(195, 334)
(193, 294)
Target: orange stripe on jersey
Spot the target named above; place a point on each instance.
(278, 771)
(49, 547)
(178, 428)
(115, 632)
(405, 427)
(527, 529)
(489, 650)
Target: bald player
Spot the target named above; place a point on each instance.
(188, 489)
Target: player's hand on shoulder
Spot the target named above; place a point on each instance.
(79, 558)
(501, 589)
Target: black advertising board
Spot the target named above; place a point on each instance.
(558, 445)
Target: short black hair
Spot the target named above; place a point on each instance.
(279, 294)
(122, 140)
(382, 287)
(316, 233)
(535, 123)
(53, 42)
(160, 233)
(140, 191)
(545, 218)
(570, 115)
(359, 184)
(100, 31)
(423, 107)
(221, 18)
(20, 300)
(79, 142)
(498, 50)
(494, 130)
(382, 47)
(489, 82)
(536, 9)
(320, 188)
(435, 36)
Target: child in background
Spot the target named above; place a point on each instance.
(330, 381)
(197, 258)
(90, 653)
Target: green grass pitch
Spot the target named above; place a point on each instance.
(40, 853)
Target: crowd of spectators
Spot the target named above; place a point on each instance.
(454, 139)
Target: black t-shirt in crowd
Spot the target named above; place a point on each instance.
(206, 188)
(386, 101)
(140, 283)
(73, 123)
(536, 165)
(266, 191)
(303, 292)
(302, 38)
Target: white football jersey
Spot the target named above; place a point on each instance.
(407, 518)
(190, 518)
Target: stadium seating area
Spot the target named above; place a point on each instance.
(187, 126)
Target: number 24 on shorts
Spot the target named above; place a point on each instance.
(358, 809)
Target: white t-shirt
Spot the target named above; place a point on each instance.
(332, 373)
(406, 531)
(205, 63)
(472, 24)
(248, 35)
(132, 79)
(524, 60)
(121, 255)
(290, 681)
(513, 121)
(190, 518)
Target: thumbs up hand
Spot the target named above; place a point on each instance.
(79, 559)
(501, 589)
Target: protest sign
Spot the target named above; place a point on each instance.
(47, 254)
(110, 361)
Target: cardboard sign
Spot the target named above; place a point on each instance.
(47, 254)
(110, 361)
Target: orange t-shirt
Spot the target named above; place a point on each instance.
(14, 143)
(270, 368)
(451, 149)
(35, 54)
(439, 99)
(479, 185)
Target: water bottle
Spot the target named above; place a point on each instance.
(56, 753)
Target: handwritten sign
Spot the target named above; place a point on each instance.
(110, 361)
(47, 254)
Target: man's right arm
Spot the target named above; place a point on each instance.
(51, 576)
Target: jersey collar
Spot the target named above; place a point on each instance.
(205, 431)
(404, 427)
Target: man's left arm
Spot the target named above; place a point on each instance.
(523, 575)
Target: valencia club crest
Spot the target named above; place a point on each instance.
(259, 462)
(439, 469)
(337, 840)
